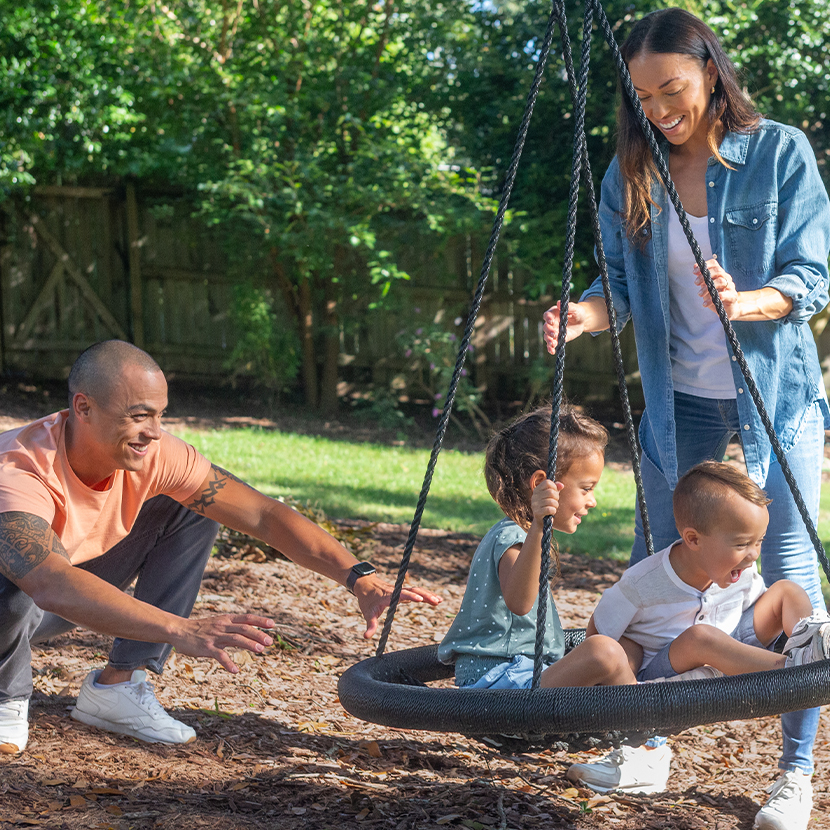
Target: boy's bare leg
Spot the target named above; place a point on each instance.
(634, 652)
(779, 608)
(706, 645)
(597, 661)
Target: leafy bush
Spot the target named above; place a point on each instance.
(267, 350)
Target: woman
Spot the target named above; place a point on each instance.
(760, 214)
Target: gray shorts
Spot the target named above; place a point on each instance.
(660, 665)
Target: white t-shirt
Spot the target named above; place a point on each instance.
(697, 345)
(652, 605)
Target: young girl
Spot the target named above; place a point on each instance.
(492, 640)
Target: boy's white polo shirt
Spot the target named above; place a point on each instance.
(652, 605)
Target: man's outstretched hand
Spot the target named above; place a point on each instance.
(374, 595)
(211, 636)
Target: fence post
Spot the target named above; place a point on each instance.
(136, 300)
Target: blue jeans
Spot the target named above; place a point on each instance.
(704, 427)
(167, 550)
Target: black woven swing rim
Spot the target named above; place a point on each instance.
(389, 688)
(581, 716)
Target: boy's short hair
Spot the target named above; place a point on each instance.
(699, 496)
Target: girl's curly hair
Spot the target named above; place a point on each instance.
(515, 452)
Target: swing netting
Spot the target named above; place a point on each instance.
(391, 688)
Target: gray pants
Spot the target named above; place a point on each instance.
(167, 549)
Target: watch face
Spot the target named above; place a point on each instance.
(363, 568)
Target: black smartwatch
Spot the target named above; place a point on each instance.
(358, 570)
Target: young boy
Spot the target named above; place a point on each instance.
(701, 601)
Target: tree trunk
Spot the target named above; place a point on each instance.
(331, 352)
(298, 302)
(306, 324)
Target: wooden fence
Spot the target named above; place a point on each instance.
(78, 265)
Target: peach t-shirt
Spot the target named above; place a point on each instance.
(35, 477)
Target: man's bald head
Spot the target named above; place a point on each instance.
(100, 366)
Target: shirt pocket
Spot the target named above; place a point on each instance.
(752, 233)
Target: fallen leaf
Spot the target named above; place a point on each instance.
(371, 748)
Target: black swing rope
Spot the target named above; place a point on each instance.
(390, 689)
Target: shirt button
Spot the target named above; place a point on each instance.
(711, 184)
(746, 426)
(700, 617)
(754, 221)
(711, 220)
(740, 390)
(734, 358)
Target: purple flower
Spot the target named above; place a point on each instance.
(419, 332)
(463, 373)
(436, 412)
(470, 348)
(417, 310)
(432, 367)
(452, 338)
(408, 353)
(439, 395)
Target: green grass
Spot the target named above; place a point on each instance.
(381, 483)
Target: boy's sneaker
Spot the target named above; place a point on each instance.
(789, 804)
(818, 648)
(631, 769)
(806, 629)
(14, 726)
(129, 709)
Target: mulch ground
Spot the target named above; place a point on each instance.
(276, 750)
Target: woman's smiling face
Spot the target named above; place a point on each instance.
(675, 91)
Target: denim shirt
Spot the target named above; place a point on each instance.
(769, 225)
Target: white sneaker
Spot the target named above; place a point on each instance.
(817, 648)
(806, 629)
(699, 673)
(129, 709)
(14, 726)
(789, 804)
(631, 769)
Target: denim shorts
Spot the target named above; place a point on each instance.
(512, 674)
(660, 665)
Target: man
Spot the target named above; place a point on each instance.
(97, 495)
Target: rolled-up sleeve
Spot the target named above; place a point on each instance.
(803, 232)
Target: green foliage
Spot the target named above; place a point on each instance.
(266, 350)
(433, 351)
(781, 49)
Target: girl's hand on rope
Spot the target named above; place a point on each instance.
(576, 324)
(544, 501)
(725, 286)
(374, 595)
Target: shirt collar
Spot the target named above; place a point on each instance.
(734, 147)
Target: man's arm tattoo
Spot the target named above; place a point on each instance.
(25, 541)
(219, 479)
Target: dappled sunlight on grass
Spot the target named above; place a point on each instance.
(350, 479)
(382, 483)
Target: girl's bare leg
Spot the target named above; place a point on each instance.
(597, 661)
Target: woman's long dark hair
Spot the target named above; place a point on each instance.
(673, 31)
